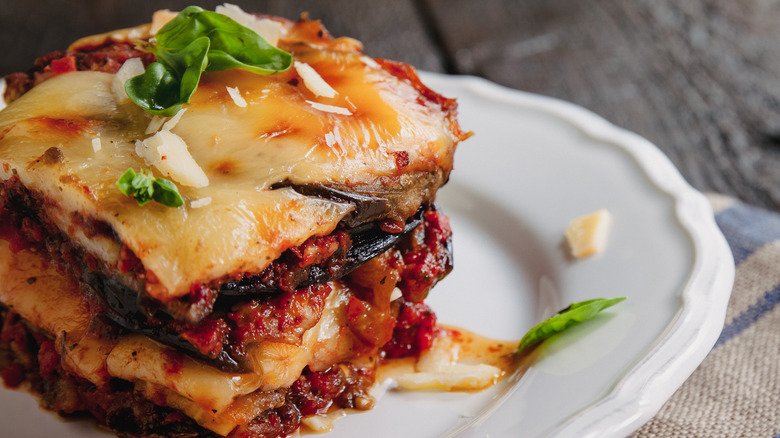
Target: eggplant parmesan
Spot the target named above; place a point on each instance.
(297, 257)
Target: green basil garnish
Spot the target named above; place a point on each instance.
(144, 188)
(193, 42)
(574, 314)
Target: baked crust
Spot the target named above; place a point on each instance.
(394, 149)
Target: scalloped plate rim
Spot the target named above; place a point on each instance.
(643, 390)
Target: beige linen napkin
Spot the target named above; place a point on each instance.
(736, 390)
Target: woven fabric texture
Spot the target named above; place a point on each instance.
(735, 392)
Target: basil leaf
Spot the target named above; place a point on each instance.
(574, 314)
(144, 188)
(135, 185)
(188, 64)
(193, 42)
(166, 193)
(232, 45)
(157, 91)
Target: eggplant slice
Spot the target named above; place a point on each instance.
(134, 312)
(368, 241)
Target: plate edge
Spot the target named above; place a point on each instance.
(704, 296)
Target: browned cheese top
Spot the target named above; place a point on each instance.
(381, 134)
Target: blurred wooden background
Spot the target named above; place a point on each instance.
(700, 79)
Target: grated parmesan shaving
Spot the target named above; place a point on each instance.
(268, 29)
(329, 108)
(587, 235)
(131, 68)
(202, 202)
(96, 146)
(330, 139)
(155, 124)
(158, 122)
(173, 120)
(313, 81)
(168, 153)
(236, 96)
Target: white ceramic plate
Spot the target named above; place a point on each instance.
(533, 165)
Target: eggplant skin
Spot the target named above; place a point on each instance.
(395, 198)
(368, 240)
(141, 315)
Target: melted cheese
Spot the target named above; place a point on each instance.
(131, 68)
(168, 153)
(218, 400)
(241, 411)
(35, 290)
(276, 364)
(277, 137)
(439, 368)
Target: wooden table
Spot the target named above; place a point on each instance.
(700, 79)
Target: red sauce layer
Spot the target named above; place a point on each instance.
(414, 266)
(28, 355)
(106, 57)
